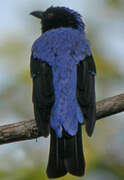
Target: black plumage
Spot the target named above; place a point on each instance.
(66, 153)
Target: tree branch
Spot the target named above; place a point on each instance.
(27, 129)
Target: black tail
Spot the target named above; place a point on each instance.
(66, 155)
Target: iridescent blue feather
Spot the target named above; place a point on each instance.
(63, 49)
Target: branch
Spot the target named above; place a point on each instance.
(27, 129)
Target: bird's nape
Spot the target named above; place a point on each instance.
(56, 17)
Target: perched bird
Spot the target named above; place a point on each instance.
(63, 73)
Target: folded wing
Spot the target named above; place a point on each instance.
(43, 93)
(86, 92)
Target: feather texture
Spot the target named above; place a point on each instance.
(63, 73)
(63, 55)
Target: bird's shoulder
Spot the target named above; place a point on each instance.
(57, 36)
(61, 42)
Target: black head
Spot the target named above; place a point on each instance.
(56, 17)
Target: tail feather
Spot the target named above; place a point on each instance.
(56, 167)
(66, 155)
(74, 161)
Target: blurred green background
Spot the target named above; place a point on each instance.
(104, 152)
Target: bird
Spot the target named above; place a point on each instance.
(63, 75)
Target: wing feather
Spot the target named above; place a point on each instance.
(86, 92)
(43, 93)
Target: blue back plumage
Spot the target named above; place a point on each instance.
(63, 49)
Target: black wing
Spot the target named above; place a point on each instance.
(86, 92)
(43, 93)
